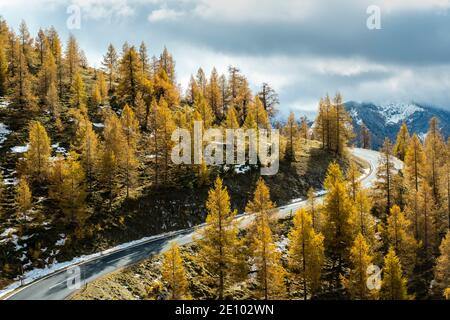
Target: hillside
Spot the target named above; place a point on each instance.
(151, 210)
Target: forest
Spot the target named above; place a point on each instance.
(91, 142)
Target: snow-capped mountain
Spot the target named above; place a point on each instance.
(385, 120)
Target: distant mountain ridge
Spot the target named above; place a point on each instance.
(385, 120)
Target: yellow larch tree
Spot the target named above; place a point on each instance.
(130, 77)
(231, 121)
(23, 196)
(174, 274)
(384, 186)
(446, 181)
(414, 163)
(39, 152)
(165, 88)
(102, 86)
(78, 93)
(393, 284)
(22, 81)
(87, 145)
(306, 253)
(213, 94)
(72, 59)
(112, 158)
(398, 236)
(339, 218)
(96, 97)
(442, 268)
(207, 115)
(163, 127)
(218, 239)
(304, 128)
(52, 102)
(261, 205)
(130, 127)
(428, 219)
(343, 125)
(69, 190)
(47, 75)
(250, 122)
(142, 110)
(260, 114)
(353, 177)
(109, 63)
(360, 260)
(402, 142)
(3, 71)
(434, 151)
(266, 258)
(314, 209)
(291, 133)
(364, 219)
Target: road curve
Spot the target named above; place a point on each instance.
(58, 285)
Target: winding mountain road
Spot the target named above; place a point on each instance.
(59, 285)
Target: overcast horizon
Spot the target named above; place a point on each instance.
(303, 50)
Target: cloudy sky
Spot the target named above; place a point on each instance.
(303, 48)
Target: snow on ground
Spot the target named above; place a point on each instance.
(4, 104)
(296, 200)
(283, 244)
(35, 274)
(4, 132)
(98, 125)
(20, 149)
(242, 169)
(320, 193)
(58, 148)
(61, 241)
(10, 181)
(8, 232)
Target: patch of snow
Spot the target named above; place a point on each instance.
(61, 241)
(10, 181)
(4, 132)
(25, 238)
(98, 125)
(8, 232)
(320, 193)
(354, 114)
(296, 200)
(282, 244)
(395, 113)
(4, 104)
(59, 149)
(20, 149)
(242, 169)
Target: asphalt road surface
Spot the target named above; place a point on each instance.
(61, 284)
